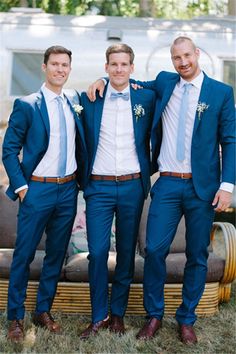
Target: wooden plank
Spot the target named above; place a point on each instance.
(75, 298)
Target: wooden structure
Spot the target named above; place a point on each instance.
(73, 297)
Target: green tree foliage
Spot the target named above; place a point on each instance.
(169, 9)
(103, 7)
(5, 5)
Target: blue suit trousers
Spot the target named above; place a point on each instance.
(104, 200)
(48, 207)
(171, 199)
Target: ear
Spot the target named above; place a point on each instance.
(131, 68)
(197, 51)
(43, 67)
(106, 67)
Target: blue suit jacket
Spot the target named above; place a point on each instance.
(215, 127)
(28, 131)
(92, 115)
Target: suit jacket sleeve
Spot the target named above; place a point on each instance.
(227, 132)
(150, 85)
(12, 145)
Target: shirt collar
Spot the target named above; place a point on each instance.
(197, 81)
(110, 89)
(49, 94)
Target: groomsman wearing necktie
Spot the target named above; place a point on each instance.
(194, 116)
(45, 127)
(117, 132)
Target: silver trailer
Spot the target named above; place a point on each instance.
(25, 35)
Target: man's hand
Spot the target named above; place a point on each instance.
(222, 200)
(97, 85)
(136, 86)
(22, 194)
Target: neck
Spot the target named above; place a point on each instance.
(56, 89)
(120, 88)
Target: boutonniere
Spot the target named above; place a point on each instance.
(201, 107)
(77, 108)
(138, 111)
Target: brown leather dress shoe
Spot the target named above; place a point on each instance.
(187, 334)
(46, 320)
(93, 329)
(149, 329)
(117, 325)
(16, 331)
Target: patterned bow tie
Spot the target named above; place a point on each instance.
(115, 95)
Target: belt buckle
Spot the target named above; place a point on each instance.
(182, 176)
(117, 178)
(59, 180)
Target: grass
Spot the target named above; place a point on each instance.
(216, 334)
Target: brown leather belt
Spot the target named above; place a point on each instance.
(115, 178)
(58, 180)
(177, 174)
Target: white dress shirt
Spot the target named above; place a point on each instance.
(48, 166)
(116, 152)
(167, 160)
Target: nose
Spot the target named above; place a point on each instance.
(183, 62)
(119, 68)
(59, 68)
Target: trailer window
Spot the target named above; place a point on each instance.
(229, 76)
(27, 76)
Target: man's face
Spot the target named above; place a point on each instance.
(119, 69)
(185, 60)
(56, 71)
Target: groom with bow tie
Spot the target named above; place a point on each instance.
(193, 148)
(117, 133)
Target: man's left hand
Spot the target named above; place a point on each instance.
(222, 200)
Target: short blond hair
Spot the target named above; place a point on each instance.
(120, 48)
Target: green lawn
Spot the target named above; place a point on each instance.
(216, 334)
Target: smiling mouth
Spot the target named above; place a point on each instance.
(185, 67)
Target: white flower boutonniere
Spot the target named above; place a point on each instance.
(77, 108)
(138, 111)
(201, 107)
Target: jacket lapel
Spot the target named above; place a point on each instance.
(165, 99)
(134, 98)
(74, 100)
(40, 101)
(168, 92)
(203, 98)
(97, 115)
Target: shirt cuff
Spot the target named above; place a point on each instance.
(227, 187)
(21, 188)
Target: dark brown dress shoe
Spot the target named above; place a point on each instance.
(187, 334)
(46, 320)
(117, 325)
(149, 329)
(16, 331)
(93, 329)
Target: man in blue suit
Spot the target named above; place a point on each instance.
(48, 131)
(194, 181)
(117, 132)
(193, 185)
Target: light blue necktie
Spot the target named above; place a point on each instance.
(115, 95)
(180, 149)
(63, 139)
